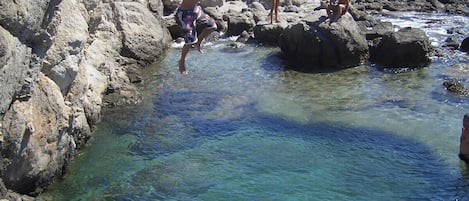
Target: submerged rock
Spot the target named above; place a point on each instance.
(456, 87)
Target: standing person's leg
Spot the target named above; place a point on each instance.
(329, 11)
(272, 12)
(276, 9)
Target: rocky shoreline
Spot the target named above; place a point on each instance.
(63, 61)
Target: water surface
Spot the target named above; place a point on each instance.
(241, 126)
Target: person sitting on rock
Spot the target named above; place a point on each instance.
(336, 9)
(274, 10)
(188, 13)
(464, 140)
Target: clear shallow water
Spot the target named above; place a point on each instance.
(241, 127)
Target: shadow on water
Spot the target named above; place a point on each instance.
(362, 163)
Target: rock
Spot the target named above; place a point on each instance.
(14, 64)
(456, 87)
(406, 48)
(144, 36)
(35, 154)
(23, 18)
(316, 44)
(156, 6)
(239, 22)
(243, 37)
(211, 3)
(57, 61)
(451, 43)
(375, 29)
(69, 34)
(171, 5)
(464, 45)
(269, 33)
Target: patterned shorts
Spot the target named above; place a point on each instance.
(188, 18)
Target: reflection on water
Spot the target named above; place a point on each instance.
(240, 127)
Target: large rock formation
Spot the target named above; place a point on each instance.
(317, 43)
(58, 61)
(406, 48)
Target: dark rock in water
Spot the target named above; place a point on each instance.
(236, 45)
(456, 87)
(244, 37)
(317, 44)
(464, 45)
(451, 43)
(407, 48)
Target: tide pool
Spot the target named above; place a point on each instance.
(241, 126)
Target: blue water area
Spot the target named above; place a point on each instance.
(241, 126)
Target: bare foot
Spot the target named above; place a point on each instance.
(182, 68)
(199, 48)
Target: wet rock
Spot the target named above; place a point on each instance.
(244, 37)
(451, 43)
(456, 87)
(407, 48)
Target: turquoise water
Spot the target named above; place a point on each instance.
(241, 126)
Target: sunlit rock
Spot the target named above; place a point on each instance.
(407, 48)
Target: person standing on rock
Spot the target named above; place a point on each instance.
(464, 143)
(188, 14)
(336, 10)
(274, 11)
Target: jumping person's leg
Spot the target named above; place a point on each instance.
(182, 60)
(211, 26)
(186, 19)
(202, 36)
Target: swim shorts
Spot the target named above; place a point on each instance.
(187, 20)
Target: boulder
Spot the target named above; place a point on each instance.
(14, 64)
(321, 45)
(239, 22)
(451, 43)
(269, 33)
(35, 133)
(144, 36)
(23, 18)
(375, 29)
(406, 48)
(68, 34)
(456, 87)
